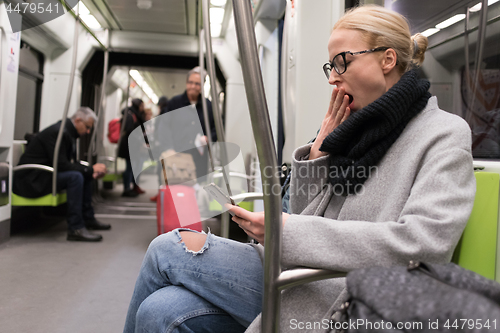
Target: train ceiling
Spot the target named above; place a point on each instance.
(423, 14)
(156, 16)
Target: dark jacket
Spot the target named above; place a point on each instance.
(178, 133)
(182, 100)
(36, 183)
(130, 125)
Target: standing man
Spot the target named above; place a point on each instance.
(72, 176)
(192, 96)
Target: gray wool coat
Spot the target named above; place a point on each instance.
(414, 206)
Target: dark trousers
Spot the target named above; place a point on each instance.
(79, 193)
(128, 176)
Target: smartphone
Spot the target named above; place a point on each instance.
(221, 197)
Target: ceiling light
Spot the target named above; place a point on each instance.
(429, 32)
(477, 7)
(215, 29)
(144, 85)
(450, 21)
(144, 4)
(136, 76)
(82, 9)
(216, 15)
(91, 22)
(218, 3)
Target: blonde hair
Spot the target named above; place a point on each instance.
(383, 27)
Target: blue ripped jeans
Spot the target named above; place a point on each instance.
(217, 289)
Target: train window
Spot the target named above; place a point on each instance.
(29, 91)
(462, 64)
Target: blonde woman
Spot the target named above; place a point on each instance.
(388, 179)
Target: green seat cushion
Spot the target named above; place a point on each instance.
(111, 177)
(214, 206)
(46, 200)
(477, 248)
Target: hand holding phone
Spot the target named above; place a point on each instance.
(221, 197)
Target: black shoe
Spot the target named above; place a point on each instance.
(96, 225)
(130, 193)
(83, 235)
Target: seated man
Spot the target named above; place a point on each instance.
(72, 176)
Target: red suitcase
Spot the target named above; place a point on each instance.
(176, 207)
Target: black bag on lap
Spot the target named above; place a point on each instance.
(419, 298)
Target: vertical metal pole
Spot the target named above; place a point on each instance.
(124, 122)
(55, 161)
(1, 54)
(466, 49)
(481, 34)
(99, 110)
(204, 102)
(77, 148)
(261, 125)
(215, 96)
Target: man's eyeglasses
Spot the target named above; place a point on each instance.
(194, 82)
(339, 63)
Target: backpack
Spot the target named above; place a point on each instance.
(114, 128)
(419, 298)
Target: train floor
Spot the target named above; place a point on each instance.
(48, 284)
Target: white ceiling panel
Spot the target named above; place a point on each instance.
(164, 16)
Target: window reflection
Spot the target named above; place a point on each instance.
(481, 106)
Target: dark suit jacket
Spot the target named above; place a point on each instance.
(182, 100)
(35, 183)
(177, 132)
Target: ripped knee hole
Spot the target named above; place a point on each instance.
(193, 242)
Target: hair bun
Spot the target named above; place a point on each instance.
(419, 46)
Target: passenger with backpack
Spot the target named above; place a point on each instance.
(134, 118)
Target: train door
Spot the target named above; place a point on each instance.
(29, 91)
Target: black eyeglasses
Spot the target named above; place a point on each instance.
(339, 63)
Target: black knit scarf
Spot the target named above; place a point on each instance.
(360, 142)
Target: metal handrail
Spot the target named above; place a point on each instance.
(284, 74)
(481, 34)
(219, 127)
(33, 166)
(267, 156)
(235, 174)
(2, 32)
(248, 196)
(66, 107)
(274, 279)
(124, 122)
(466, 41)
(295, 277)
(99, 108)
(204, 102)
(106, 158)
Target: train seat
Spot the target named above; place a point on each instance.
(46, 200)
(477, 248)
